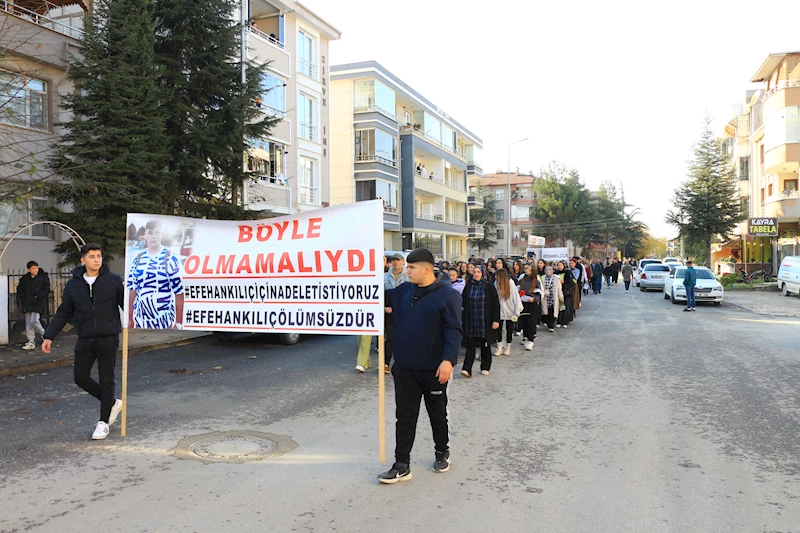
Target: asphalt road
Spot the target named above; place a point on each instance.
(639, 417)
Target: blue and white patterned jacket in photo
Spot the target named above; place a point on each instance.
(156, 280)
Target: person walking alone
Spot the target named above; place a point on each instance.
(481, 318)
(92, 301)
(597, 276)
(427, 337)
(33, 297)
(627, 274)
(689, 281)
(510, 310)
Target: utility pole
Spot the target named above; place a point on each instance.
(508, 192)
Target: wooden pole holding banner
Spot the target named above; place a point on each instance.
(381, 400)
(124, 423)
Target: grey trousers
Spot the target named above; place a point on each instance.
(32, 326)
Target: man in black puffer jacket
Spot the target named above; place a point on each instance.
(92, 299)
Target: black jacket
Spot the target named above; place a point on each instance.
(597, 270)
(33, 294)
(93, 311)
(491, 309)
(427, 324)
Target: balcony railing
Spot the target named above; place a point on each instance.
(441, 218)
(271, 39)
(475, 202)
(309, 195)
(370, 158)
(420, 131)
(41, 20)
(476, 231)
(785, 195)
(455, 221)
(375, 108)
(455, 184)
(782, 84)
(272, 111)
(306, 68)
(309, 132)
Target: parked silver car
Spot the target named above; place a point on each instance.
(652, 276)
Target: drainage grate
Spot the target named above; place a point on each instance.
(233, 446)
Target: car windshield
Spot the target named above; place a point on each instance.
(656, 268)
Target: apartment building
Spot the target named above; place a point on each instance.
(292, 166)
(514, 215)
(37, 37)
(774, 121)
(391, 143)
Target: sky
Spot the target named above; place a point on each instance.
(617, 90)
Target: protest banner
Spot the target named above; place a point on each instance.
(318, 272)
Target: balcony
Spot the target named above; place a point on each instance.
(475, 202)
(264, 47)
(440, 218)
(781, 85)
(309, 132)
(422, 134)
(309, 196)
(782, 158)
(786, 205)
(67, 25)
(447, 182)
(307, 68)
(476, 231)
(375, 158)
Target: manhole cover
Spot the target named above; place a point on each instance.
(233, 446)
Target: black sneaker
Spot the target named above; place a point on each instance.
(398, 472)
(442, 463)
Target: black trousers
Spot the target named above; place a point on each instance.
(531, 314)
(507, 326)
(388, 340)
(473, 344)
(411, 386)
(550, 317)
(104, 351)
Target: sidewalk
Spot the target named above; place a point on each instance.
(14, 360)
(771, 303)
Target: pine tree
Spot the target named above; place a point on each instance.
(706, 205)
(209, 111)
(562, 202)
(111, 157)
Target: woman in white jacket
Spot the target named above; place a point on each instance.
(510, 309)
(552, 297)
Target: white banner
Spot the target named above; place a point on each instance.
(318, 272)
(555, 254)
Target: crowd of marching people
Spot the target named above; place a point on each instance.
(504, 299)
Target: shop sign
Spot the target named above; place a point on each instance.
(762, 227)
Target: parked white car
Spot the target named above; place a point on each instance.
(643, 263)
(668, 260)
(653, 276)
(706, 289)
(789, 275)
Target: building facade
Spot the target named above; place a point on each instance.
(37, 38)
(291, 167)
(774, 116)
(391, 143)
(514, 215)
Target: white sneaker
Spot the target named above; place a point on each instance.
(564, 326)
(529, 346)
(484, 372)
(551, 330)
(100, 431)
(29, 346)
(523, 341)
(517, 333)
(507, 350)
(115, 410)
(558, 325)
(361, 368)
(499, 349)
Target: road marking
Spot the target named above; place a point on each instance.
(765, 321)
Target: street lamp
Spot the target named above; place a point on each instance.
(508, 192)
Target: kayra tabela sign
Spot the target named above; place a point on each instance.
(316, 272)
(762, 227)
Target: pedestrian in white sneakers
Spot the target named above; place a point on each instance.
(33, 295)
(92, 299)
(510, 310)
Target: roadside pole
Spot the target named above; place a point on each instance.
(381, 400)
(124, 422)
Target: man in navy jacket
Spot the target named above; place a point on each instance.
(92, 299)
(427, 337)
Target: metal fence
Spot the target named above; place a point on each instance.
(16, 318)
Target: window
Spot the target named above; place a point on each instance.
(308, 185)
(376, 145)
(501, 234)
(265, 158)
(406, 118)
(524, 194)
(769, 190)
(448, 138)
(378, 190)
(432, 128)
(520, 211)
(12, 216)
(305, 116)
(431, 241)
(499, 214)
(744, 168)
(273, 96)
(762, 195)
(305, 58)
(372, 95)
(23, 101)
(499, 194)
(790, 185)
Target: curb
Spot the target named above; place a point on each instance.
(67, 360)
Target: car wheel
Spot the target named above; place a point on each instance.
(289, 338)
(666, 296)
(641, 289)
(717, 303)
(784, 290)
(672, 297)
